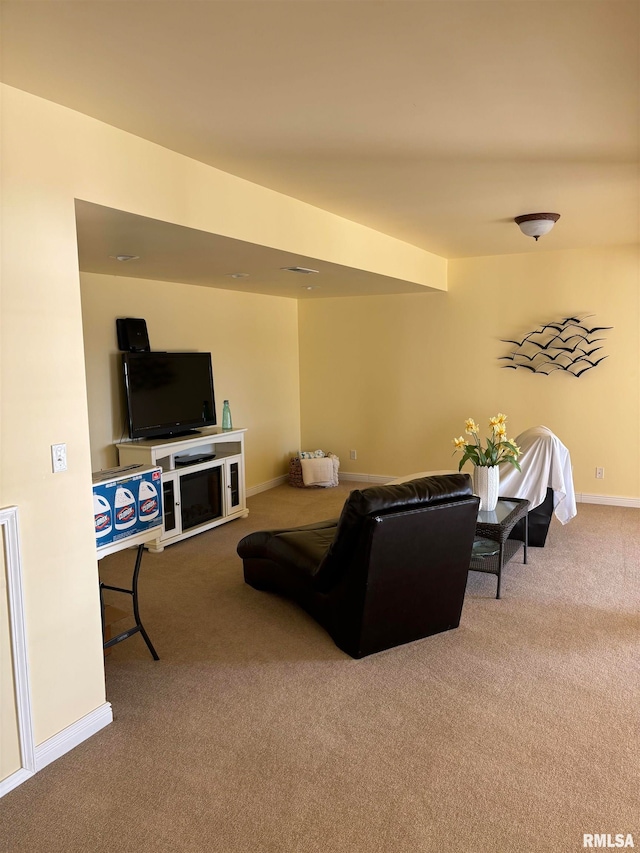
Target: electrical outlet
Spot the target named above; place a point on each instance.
(353, 454)
(58, 458)
(599, 473)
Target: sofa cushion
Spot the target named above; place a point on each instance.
(302, 547)
(253, 544)
(305, 549)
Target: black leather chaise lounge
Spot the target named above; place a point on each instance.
(392, 569)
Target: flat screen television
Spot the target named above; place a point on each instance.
(168, 393)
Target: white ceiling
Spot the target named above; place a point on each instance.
(434, 122)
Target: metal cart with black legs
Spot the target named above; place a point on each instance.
(138, 627)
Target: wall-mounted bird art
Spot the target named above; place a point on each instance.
(570, 344)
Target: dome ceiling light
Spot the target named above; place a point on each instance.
(536, 224)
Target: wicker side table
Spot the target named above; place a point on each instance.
(497, 526)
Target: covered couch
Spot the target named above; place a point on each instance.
(546, 481)
(391, 569)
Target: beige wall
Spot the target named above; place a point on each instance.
(395, 377)
(44, 402)
(253, 341)
(50, 157)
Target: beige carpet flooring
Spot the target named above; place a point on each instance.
(516, 733)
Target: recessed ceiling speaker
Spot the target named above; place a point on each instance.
(132, 335)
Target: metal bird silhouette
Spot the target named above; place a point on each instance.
(591, 351)
(598, 329)
(547, 344)
(589, 362)
(568, 349)
(517, 343)
(514, 366)
(569, 320)
(557, 327)
(582, 338)
(592, 364)
(561, 354)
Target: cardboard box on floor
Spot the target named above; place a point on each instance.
(112, 618)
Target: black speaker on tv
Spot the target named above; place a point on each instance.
(132, 335)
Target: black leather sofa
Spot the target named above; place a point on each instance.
(391, 569)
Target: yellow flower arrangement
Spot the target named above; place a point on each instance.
(499, 448)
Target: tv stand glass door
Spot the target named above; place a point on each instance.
(192, 499)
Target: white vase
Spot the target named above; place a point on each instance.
(486, 484)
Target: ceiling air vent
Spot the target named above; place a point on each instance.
(303, 270)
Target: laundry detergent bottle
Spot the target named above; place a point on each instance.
(125, 508)
(148, 504)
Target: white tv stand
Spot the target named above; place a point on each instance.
(202, 480)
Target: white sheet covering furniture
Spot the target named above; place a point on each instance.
(546, 464)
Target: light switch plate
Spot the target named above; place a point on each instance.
(58, 458)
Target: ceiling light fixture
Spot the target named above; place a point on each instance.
(303, 270)
(310, 287)
(238, 275)
(125, 257)
(537, 224)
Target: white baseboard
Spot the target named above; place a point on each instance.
(365, 478)
(607, 500)
(73, 735)
(14, 780)
(59, 744)
(270, 484)
(344, 475)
